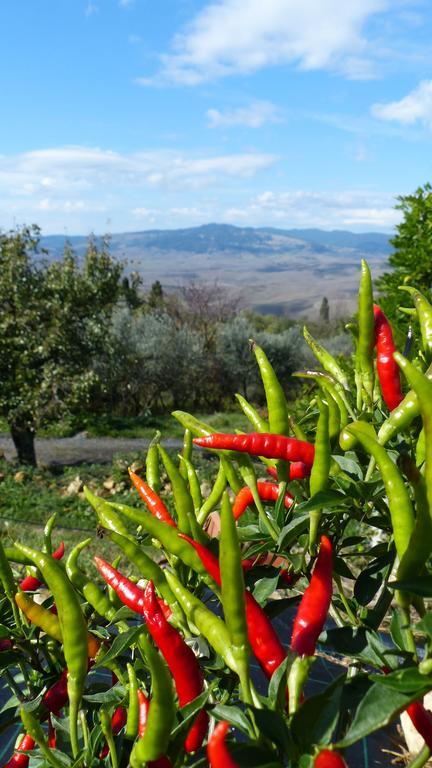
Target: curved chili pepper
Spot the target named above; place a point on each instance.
(298, 470)
(275, 396)
(132, 710)
(267, 492)
(215, 496)
(192, 479)
(327, 360)
(18, 759)
(182, 662)
(31, 583)
(186, 452)
(144, 704)
(424, 313)
(314, 605)
(263, 639)
(74, 632)
(128, 592)
(118, 721)
(387, 369)
(8, 582)
(421, 719)
(182, 499)
(270, 446)
(258, 423)
(321, 467)
(329, 759)
(161, 713)
(151, 499)
(217, 750)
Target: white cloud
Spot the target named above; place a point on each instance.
(358, 209)
(254, 116)
(242, 36)
(416, 106)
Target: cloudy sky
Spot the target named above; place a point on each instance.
(137, 114)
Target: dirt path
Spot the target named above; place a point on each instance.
(81, 449)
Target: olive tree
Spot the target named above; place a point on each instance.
(54, 319)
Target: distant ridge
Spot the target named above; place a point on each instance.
(276, 270)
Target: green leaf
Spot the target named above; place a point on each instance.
(235, 716)
(264, 588)
(324, 499)
(316, 720)
(112, 696)
(350, 466)
(376, 710)
(405, 680)
(421, 586)
(120, 644)
(273, 726)
(278, 682)
(292, 530)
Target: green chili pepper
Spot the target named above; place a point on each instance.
(423, 389)
(92, 593)
(402, 416)
(276, 404)
(74, 631)
(106, 515)
(421, 448)
(231, 474)
(424, 313)
(34, 729)
(320, 468)
(161, 714)
(233, 595)
(150, 571)
(152, 464)
(366, 339)
(207, 623)
(39, 616)
(182, 498)
(9, 585)
(399, 503)
(13, 555)
(47, 533)
(105, 721)
(132, 709)
(296, 429)
(215, 496)
(258, 423)
(327, 360)
(193, 481)
(186, 452)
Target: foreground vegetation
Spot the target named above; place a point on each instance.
(351, 541)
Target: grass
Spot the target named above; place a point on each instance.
(30, 496)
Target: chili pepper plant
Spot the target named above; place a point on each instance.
(176, 657)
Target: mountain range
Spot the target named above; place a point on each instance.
(272, 270)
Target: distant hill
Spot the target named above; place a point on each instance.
(273, 270)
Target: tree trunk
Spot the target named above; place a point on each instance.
(23, 439)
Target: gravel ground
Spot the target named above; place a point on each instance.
(81, 449)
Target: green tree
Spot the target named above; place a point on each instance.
(54, 322)
(411, 261)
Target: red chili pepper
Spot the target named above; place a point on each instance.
(5, 645)
(217, 750)
(56, 697)
(263, 639)
(387, 368)
(266, 492)
(152, 500)
(261, 444)
(143, 704)
(329, 759)
(19, 760)
(129, 593)
(165, 608)
(182, 662)
(314, 605)
(118, 721)
(298, 470)
(31, 583)
(421, 719)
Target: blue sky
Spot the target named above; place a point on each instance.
(137, 114)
